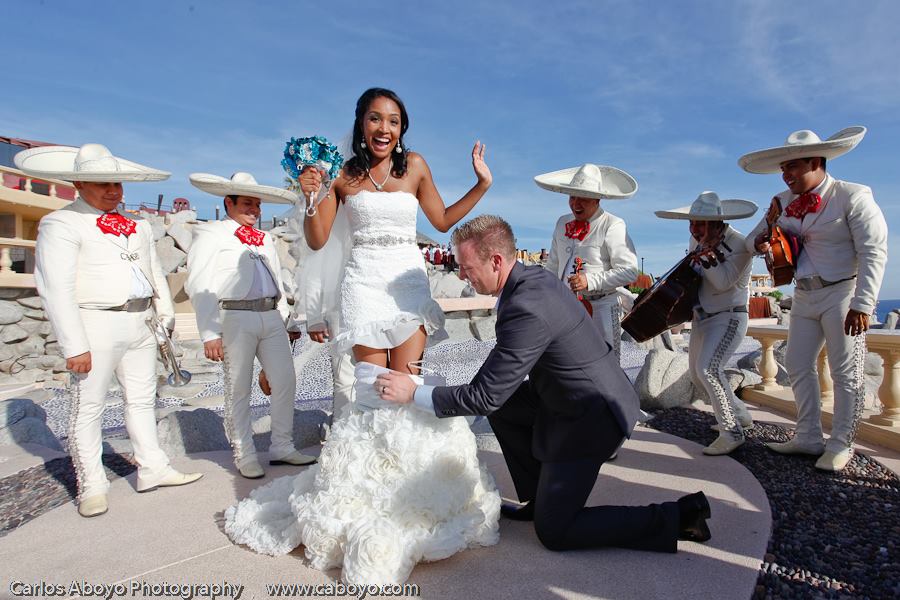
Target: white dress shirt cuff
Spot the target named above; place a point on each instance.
(422, 398)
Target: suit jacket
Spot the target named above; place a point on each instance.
(607, 252)
(847, 236)
(544, 333)
(220, 267)
(77, 265)
(726, 285)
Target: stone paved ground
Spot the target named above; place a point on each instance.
(835, 535)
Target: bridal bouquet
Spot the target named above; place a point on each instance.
(314, 151)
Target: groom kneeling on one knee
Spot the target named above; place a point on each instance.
(557, 427)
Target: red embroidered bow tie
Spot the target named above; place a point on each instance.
(577, 229)
(116, 224)
(803, 205)
(250, 235)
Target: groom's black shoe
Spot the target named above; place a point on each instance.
(515, 512)
(693, 511)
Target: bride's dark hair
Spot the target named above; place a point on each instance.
(359, 164)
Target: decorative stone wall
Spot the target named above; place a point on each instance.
(29, 351)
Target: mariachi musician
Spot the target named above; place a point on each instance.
(719, 323)
(596, 237)
(838, 275)
(234, 281)
(101, 283)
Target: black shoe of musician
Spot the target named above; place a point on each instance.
(693, 511)
(515, 512)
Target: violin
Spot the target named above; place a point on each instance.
(784, 247)
(578, 267)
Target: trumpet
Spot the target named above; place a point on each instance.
(179, 376)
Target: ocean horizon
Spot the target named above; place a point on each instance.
(884, 307)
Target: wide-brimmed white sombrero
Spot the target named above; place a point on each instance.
(802, 144)
(90, 163)
(708, 207)
(242, 184)
(590, 181)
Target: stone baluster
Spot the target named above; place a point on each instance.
(768, 368)
(28, 184)
(889, 392)
(5, 260)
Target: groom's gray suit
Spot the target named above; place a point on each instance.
(561, 424)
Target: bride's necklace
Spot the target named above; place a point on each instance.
(378, 187)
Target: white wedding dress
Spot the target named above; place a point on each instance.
(396, 485)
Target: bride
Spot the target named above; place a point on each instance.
(394, 485)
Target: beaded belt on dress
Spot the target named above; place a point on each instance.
(382, 240)
(257, 305)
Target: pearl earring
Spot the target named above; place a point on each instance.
(362, 144)
(398, 149)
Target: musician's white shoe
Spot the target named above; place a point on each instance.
(93, 506)
(795, 446)
(724, 444)
(171, 479)
(834, 461)
(251, 469)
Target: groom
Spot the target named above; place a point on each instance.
(559, 426)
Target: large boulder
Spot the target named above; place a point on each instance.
(483, 328)
(458, 326)
(12, 333)
(891, 320)
(24, 422)
(10, 312)
(191, 430)
(446, 285)
(33, 302)
(664, 380)
(170, 257)
(182, 234)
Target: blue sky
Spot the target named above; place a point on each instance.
(673, 93)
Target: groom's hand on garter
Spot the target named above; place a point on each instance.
(395, 387)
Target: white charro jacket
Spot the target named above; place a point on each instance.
(726, 285)
(77, 265)
(607, 251)
(847, 236)
(221, 267)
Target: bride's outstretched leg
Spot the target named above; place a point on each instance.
(409, 351)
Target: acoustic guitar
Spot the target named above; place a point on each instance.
(784, 248)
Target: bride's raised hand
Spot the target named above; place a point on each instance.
(482, 172)
(310, 181)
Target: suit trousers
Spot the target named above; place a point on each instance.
(712, 343)
(607, 317)
(247, 335)
(120, 343)
(817, 318)
(559, 489)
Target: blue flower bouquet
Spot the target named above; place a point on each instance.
(314, 151)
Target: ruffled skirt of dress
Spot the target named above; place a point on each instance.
(385, 297)
(392, 487)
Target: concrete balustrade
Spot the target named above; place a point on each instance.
(883, 428)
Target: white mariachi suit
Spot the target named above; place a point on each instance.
(81, 272)
(609, 263)
(719, 326)
(222, 268)
(842, 261)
